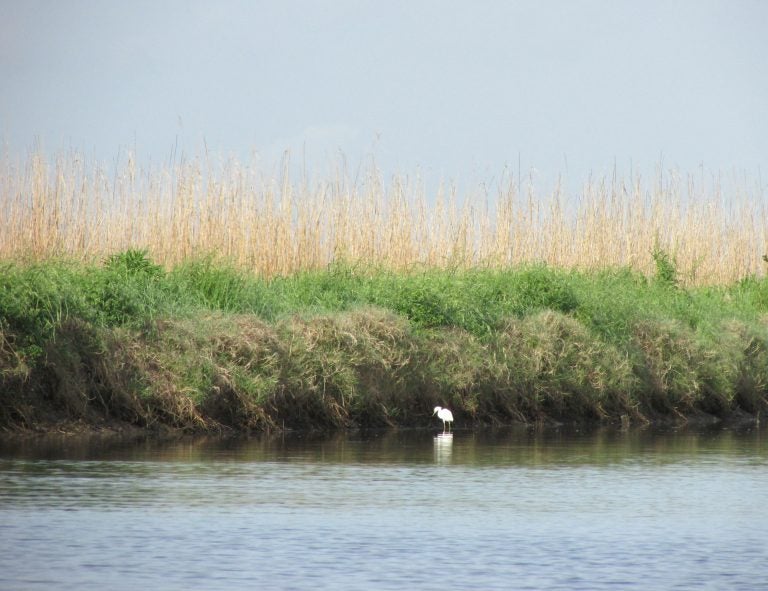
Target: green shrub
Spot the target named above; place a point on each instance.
(133, 262)
(666, 267)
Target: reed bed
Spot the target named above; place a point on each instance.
(275, 224)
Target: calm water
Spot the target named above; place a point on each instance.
(512, 509)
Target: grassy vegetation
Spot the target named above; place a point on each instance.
(269, 302)
(202, 345)
(712, 231)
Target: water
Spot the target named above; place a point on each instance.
(509, 509)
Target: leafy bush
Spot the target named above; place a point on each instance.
(666, 267)
(133, 262)
(126, 290)
(539, 288)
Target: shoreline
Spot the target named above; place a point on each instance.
(124, 431)
(208, 349)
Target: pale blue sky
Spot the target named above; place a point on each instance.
(452, 89)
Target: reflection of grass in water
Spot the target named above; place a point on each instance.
(506, 446)
(270, 224)
(202, 346)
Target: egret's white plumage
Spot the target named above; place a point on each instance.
(443, 414)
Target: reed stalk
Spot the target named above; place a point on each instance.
(277, 226)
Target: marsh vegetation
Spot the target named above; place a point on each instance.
(215, 300)
(279, 223)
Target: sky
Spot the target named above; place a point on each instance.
(443, 89)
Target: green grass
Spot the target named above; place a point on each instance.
(204, 345)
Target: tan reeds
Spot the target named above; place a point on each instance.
(275, 225)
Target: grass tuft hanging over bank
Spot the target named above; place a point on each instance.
(205, 346)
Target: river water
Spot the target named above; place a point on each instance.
(509, 509)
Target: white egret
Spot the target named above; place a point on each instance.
(445, 415)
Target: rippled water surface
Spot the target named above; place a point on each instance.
(515, 509)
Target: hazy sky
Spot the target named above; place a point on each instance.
(453, 89)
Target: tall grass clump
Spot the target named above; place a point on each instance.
(684, 229)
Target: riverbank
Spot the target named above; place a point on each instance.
(204, 347)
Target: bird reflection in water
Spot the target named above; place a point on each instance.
(443, 448)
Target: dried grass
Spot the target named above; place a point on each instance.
(276, 226)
